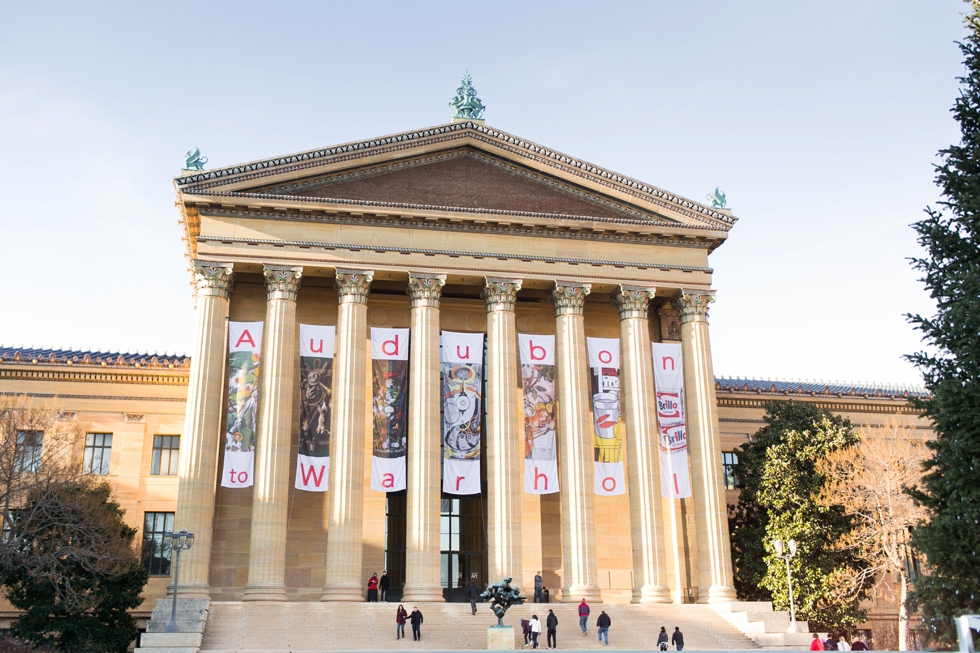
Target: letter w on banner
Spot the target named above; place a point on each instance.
(316, 394)
(389, 407)
(540, 447)
(462, 397)
(607, 419)
(668, 375)
(244, 348)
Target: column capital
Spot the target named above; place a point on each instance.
(569, 297)
(213, 279)
(633, 301)
(353, 286)
(500, 294)
(425, 289)
(282, 282)
(693, 305)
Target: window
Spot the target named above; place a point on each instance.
(729, 461)
(156, 551)
(28, 451)
(98, 446)
(165, 450)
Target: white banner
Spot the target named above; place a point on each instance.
(607, 420)
(244, 350)
(540, 443)
(316, 345)
(668, 375)
(389, 408)
(462, 411)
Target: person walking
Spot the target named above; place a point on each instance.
(383, 585)
(662, 639)
(400, 615)
(373, 588)
(535, 630)
(538, 586)
(602, 626)
(677, 639)
(583, 617)
(526, 631)
(472, 593)
(416, 619)
(552, 623)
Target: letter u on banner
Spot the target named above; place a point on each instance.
(389, 408)
(668, 376)
(607, 419)
(244, 350)
(540, 443)
(315, 406)
(462, 411)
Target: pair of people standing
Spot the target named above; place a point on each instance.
(532, 629)
(677, 640)
(401, 616)
(375, 584)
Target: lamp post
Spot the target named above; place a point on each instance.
(178, 542)
(778, 546)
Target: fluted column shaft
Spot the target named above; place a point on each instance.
(422, 579)
(348, 431)
(642, 438)
(704, 443)
(267, 550)
(505, 434)
(202, 424)
(576, 448)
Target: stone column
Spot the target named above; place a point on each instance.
(348, 430)
(642, 440)
(422, 578)
(575, 445)
(202, 423)
(273, 437)
(505, 431)
(715, 583)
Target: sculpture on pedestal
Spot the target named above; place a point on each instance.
(502, 596)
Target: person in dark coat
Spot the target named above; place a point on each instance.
(662, 640)
(677, 639)
(526, 629)
(383, 585)
(416, 619)
(602, 626)
(472, 593)
(400, 616)
(538, 587)
(552, 624)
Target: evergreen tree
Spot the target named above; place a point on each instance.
(109, 576)
(950, 490)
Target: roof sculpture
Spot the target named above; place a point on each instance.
(466, 105)
(193, 160)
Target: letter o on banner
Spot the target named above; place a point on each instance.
(609, 484)
(605, 357)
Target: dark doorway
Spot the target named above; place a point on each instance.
(396, 507)
(464, 545)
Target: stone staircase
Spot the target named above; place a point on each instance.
(766, 627)
(313, 626)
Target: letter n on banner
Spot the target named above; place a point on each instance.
(607, 418)
(244, 350)
(668, 376)
(462, 411)
(540, 446)
(389, 408)
(315, 402)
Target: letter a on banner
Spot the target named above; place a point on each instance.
(244, 349)
(668, 375)
(607, 418)
(389, 408)
(315, 397)
(540, 446)
(462, 411)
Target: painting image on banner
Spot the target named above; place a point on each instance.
(607, 419)
(389, 408)
(316, 394)
(668, 376)
(244, 350)
(462, 411)
(540, 441)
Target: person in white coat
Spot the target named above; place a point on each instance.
(535, 630)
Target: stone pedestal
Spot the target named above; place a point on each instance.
(500, 638)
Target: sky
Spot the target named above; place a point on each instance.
(820, 121)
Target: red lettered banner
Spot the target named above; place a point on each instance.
(244, 348)
(668, 376)
(540, 445)
(389, 407)
(462, 411)
(607, 419)
(316, 393)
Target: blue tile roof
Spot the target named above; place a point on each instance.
(828, 388)
(10, 354)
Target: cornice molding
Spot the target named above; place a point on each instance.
(883, 406)
(92, 375)
(51, 395)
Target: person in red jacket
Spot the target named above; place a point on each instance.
(816, 644)
(583, 617)
(373, 588)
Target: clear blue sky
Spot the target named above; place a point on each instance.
(820, 120)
